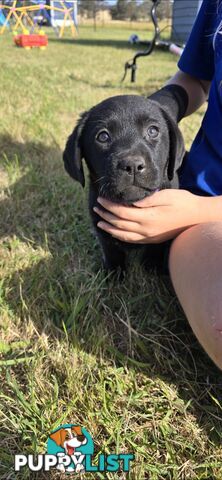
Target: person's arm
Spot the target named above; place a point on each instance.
(196, 67)
(197, 89)
(182, 95)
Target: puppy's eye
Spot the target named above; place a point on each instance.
(153, 131)
(103, 136)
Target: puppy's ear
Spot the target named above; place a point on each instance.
(72, 155)
(174, 98)
(177, 149)
(56, 437)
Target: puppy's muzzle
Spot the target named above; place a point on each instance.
(132, 167)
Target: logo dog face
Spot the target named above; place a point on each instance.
(69, 438)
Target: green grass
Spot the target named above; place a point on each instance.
(76, 347)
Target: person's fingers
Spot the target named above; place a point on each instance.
(121, 211)
(161, 198)
(118, 222)
(129, 237)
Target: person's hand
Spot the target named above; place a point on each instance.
(154, 219)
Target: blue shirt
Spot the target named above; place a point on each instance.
(201, 172)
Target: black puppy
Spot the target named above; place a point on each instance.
(132, 147)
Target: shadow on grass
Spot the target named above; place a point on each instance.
(92, 42)
(126, 86)
(44, 224)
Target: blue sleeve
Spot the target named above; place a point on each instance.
(197, 58)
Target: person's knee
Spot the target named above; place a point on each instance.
(195, 266)
(196, 244)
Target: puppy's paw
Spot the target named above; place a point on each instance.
(116, 272)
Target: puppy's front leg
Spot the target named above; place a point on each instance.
(114, 258)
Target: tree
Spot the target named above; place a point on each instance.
(138, 9)
(90, 7)
(120, 10)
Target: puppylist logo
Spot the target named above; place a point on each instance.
(70, 449)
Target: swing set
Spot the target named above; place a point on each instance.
(25, 16)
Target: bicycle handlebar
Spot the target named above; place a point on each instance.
(132, 65)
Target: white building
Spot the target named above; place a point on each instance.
(184, 14)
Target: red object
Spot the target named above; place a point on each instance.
(32, 40)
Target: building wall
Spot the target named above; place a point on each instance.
(184, 14)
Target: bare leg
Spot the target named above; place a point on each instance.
(196, 271)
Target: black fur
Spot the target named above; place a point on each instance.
(132, 163)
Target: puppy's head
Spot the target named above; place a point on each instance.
(69, 438)
(131, 145)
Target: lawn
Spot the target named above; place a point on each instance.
(76, 347)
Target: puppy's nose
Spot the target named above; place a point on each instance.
(132, 166)
(81, 438)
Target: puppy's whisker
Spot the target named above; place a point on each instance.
(101, 190)
(99, 179)
(104, 188)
